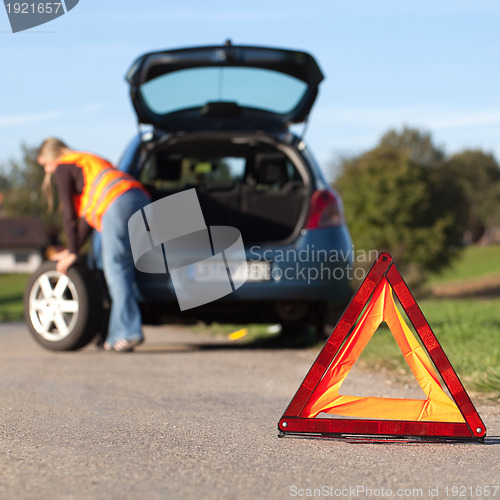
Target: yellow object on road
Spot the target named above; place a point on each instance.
(238, 334)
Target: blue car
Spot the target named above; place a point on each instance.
(215, 125)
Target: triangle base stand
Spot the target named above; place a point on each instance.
(375, 430)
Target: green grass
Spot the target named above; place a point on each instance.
(474, 262)
(469, 333)
(11, 296)
(467, 329)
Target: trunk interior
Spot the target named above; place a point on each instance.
(248, 185)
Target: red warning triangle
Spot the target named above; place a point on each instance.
(317, 409)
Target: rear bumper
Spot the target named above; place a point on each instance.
(316, 267)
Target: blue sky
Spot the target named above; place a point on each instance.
(433, 64)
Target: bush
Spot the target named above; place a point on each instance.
(478, 174)
(396, 204)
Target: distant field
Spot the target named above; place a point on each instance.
(11, 296)
(469, 333)
(474, 262)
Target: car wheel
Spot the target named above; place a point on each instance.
(63, 311)
(328, 319)
(294, 329)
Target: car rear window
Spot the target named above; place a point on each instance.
(256, 88)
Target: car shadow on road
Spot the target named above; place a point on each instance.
(172, 348)
(277, 342)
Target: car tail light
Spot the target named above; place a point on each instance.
(325, 211)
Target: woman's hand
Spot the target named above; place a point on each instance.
(65, 260)
(57, 252)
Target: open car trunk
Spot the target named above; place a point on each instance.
(225, 87)
(248, 184)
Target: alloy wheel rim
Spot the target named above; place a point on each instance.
(53, 306)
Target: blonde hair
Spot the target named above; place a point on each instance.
(47, 191)
(51, 149)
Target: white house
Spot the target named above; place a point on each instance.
(22, 243)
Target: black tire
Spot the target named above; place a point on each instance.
(294, 329)
(328, 319)
(63, 312)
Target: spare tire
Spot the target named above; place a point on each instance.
(63, 312)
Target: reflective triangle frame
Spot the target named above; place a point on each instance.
(294, 422)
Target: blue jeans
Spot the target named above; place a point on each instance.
(125, 321)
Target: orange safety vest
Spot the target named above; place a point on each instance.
(102, 184)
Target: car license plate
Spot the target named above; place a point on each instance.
(215, 272)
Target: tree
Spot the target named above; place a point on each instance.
(417, 144)
(478, 175)
(396, 199)
(21, 184)
(4, 182)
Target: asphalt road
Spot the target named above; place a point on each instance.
(188, 416)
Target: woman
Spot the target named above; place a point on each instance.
(95, 195)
